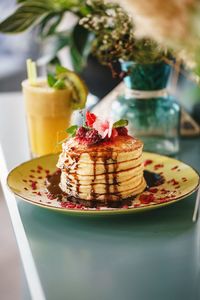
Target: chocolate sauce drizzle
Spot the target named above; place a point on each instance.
(94, 158)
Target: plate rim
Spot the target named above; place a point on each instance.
(111, 211)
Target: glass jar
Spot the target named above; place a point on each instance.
(153, 115)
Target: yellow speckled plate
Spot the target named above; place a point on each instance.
(27, 182)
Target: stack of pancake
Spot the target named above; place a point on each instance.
(108, 171)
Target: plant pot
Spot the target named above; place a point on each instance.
(98, 78)
(153, 115)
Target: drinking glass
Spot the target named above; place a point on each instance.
(48, 113)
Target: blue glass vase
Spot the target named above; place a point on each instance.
(153, 115)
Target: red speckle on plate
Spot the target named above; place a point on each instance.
(184, 179)
(58, 171)
(47, 171)
(162, 200)
(174, 168)
(125, 206)
(71, 205)
(78, 206)
(173, 194)
(51, 197)
(164, 191)
(148, 162)
(173, 181)
(63, 204)
(39, 194)
(67, 204)
(34, 185)
(146, 198)
(158, 166)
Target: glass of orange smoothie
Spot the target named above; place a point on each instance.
(48, 113)
(49, 104)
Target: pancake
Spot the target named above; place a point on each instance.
(108, 171)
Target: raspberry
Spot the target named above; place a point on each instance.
(122, 131)
(93, 137)
(114, 133)
(90, 119)
(81, 133)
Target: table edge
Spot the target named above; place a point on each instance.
(31, 273)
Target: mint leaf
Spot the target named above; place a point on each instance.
(60, 70)
(55, 83)
(120, 123)
(72, 130)
(59, 84)
(51, 79)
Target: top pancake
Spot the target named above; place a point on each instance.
(123, 148)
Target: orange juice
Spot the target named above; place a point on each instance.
(48, 115)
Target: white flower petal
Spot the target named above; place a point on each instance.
(110, 129)
(104, 133)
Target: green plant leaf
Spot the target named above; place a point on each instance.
(30, 12)
(120, 123)
(80, 47)
(84, 10)
(49, 24)
(72, 130)
(25, 16)
(48, 14)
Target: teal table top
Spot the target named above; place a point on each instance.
(152, 255)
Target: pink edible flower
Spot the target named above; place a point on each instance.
(104, 127)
